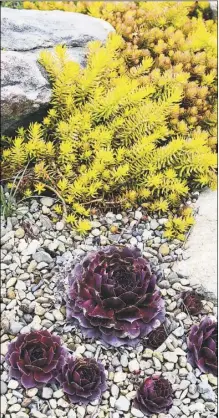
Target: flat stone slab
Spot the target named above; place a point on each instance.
(200, 263)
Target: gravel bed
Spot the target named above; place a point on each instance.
(35, 252)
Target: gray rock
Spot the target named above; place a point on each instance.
(42, 256)
(26, 90)
(47, 201)
(213, 6)
(32, 247)
(15, 327)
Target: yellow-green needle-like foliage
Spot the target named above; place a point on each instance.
(106, 141)
(177, 37)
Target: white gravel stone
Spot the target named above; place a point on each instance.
(179, 332)
(184, 384)
(58, 394)
(13, 384)
(96, 232)
(115, 391)
(146, 235)
(133, 366)
(60, 226)
(32, 248)
(71, 414)
(47, 393)
(11, 282)
(122, 404)
(4, 404)
(119, 377)
(31, 392)
(138, 215)
(197, 407)
(136, 413)
(58, 315)
(170, 357)
(47, 201)
(42, 256)
(20, 285)
(124, 360)
(81, 411)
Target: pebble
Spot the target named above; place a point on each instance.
(4, 404)
(71, 414)
(179, 332)
(42, 256)
(119, 377)
(58, 393)
(154, 224)
(138, 215)
(170, 357)
(81, 411)
(58, 315)
(47, 201)
(60, 226)
(197, 407)
(122, 404)
(133, 366)
(31, 392)
(19, 233)
(11, 282)
(13, 384)
(15, 327)
(32, 247)
(124, 360)
(115, 391)
(164, 249)
(137, 413)
(3, 387)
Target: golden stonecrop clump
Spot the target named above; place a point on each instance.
(177, 37)
(106, 140)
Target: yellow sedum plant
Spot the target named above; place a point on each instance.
(106, 141)
(177, 37)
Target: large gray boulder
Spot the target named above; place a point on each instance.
(213, 6)
(26, 91)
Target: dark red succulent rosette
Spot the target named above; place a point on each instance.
(156, 337)
(192, 302)
(154, 396)
(112, 296)
(35, 358)
(82, 379)
(203, 346)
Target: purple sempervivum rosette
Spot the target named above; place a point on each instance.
(203, 346)
(192, 302)
(154, 396)
(113, 297)
(35, 358)
(83, 380)
(157, 337)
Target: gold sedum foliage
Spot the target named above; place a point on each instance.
(177, 38)
(106, 140)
